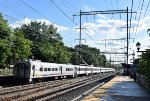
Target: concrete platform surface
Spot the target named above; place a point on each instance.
(120, 88)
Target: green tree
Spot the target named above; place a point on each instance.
(5, 52)
(4, 28)
(143, 66)
(5, 47)
(47, 42)
(20, 47)
(88, 54)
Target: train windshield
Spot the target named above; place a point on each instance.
(21, 69)
(22, 66)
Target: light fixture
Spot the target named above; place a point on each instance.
(138, 46)
(133, 54)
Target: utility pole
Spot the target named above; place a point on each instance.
(80, 30)
(105, 44)
(80, 37)
(104, 12)
(114, 40)
(127, 36)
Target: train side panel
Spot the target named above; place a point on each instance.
(34, 70)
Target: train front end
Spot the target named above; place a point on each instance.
(22, 71)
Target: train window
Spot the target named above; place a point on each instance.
(69, 69)
(53, 69)
(56, 69)
(41, 69)
(33, 67)
(45, 69)
(49, 69)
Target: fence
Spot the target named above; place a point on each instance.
(143, 80)
(5, 72)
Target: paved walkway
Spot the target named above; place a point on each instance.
(120, 88)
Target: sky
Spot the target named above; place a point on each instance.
(96, 29)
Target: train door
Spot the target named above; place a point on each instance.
(92, 70)
(20, 70)
(75, 71)
(33, 68)
(60, 69)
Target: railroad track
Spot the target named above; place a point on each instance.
(19, 91)
(46, 90)
(51, 97)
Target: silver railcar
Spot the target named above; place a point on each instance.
(36, 70)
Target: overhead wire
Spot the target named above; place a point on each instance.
(139, 19)
(40, 13)
(10, 7)
(145, 12)
(17, 21)
(70, 4)
(45, 5)
(64, 5)
(87, 29)
(31, 7)
(130, 20)
(51, 1)
(94, 30)
(119, 14)
(71, 19)
(144, 15)
(62, 11)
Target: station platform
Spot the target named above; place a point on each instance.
(120, 88)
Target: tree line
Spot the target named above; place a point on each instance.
(143, 64)
(39, 41)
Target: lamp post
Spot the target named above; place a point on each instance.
(130, 60)
(133, 55)
(138, 46)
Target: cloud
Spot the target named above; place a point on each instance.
(27, 21)
(112, 44)
(20, 23)
(111, 29)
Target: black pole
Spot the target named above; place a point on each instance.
(127, 35)
(105, 44)
(80, 30)
(80, 40)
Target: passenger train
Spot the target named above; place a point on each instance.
(35, 70)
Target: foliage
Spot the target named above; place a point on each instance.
(4, 53)
(144, 65)
(90, 55)
(4, 28)
(4, 42)
(47, 42)
(20, 47)
(41, 41)
(13, 45)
